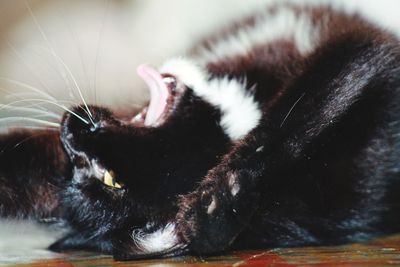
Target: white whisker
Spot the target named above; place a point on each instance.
(7, 128)
(27, 86)
(20, 57)
(47, 101)
(78, 88)
(24, 95)
(59, 60)
(43, 116)
(15, 119)
(55, 66)
(40, 29)
(48, 43)
(98, 49)
(37, 24)
(90, 116)
(77, 42)
(32, 110)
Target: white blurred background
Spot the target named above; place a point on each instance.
(47, 44)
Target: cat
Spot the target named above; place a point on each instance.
(280, 130)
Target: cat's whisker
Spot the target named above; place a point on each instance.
(35, 92)
(49, 102)
(8, 127)
(33, 110)
(98, 48)
(43, 116)
(83, 65)
(20, 57)
(42, 33)
(26, 95)
(23, 96)
(29, 87)
(60, 71)
(58, 58)
(17, 118)
(33, 135)
(90, 116)
(291, 109)
(62, 62)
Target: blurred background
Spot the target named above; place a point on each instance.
(55, 46)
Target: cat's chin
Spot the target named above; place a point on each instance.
(165, 89)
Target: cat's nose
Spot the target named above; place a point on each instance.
(94, 127)
(86, 120)
(78, 127)
(77, 119)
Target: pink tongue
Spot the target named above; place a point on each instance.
(158, 93)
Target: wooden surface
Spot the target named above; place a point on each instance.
(379, 252)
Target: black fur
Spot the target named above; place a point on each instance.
(321, 167)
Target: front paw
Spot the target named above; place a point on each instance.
(210, 218)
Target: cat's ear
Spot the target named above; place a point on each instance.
(142, 243)
(77, 241)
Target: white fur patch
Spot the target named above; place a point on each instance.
(240, 112)
(212, 206)
(284, 24)
(163, 239)
(260, 149)
(233, 184)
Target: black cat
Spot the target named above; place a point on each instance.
(282, 130)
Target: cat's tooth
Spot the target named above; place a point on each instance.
(138, 117)
(108, 179)
(117, 185)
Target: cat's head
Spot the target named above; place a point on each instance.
(128, 174)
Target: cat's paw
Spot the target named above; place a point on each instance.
(78, 241)
(208, 221)
(211, 217)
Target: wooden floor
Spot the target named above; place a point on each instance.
(380, 252)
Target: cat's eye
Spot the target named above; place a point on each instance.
(109, 179)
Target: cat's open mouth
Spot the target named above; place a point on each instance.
(164, 89)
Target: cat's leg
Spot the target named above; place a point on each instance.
(349, 87)
(33, 166)
(213, 215)
(350, 81)
(77, 241)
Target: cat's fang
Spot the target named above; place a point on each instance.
(109, 180)
(139, 118)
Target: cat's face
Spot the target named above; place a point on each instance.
(128, 173)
